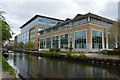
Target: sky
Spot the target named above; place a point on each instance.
(18, 12)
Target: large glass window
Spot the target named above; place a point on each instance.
(47, 22)
(81, 21)
(55, 42)
(63, 40)
(42, 43)
(96, 39)
(48, 43)
(64, 27)
(101, 22)
(80, 39)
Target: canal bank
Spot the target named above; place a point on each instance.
(7, 70)
(91, 58)
(30, 66)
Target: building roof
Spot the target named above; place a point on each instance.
(36, 16)
(77, 17)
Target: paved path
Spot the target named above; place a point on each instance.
(6, 75)
(100, 56)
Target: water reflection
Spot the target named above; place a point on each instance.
(37, 67)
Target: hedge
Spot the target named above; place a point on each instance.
(54, 49)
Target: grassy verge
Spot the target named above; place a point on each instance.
(68, 56)
(6, 66)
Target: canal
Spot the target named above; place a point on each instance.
(30, 66)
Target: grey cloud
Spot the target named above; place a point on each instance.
(110, 11)
(20, 12)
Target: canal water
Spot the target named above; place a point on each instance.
(30, 66)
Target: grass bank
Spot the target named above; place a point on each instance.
(7, 67)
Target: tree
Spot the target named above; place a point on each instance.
(29, 45)
(115, 33)
(21, 45)
(4, 28)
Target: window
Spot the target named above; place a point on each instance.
(46, 22)
(48, 43)
(79, 22)
(96, 39)
(64, 26)
(70, 24)
(100, 22)
(55, 42)
(80, 39)
(42, 43)
(63, 40)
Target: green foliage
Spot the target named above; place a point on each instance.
(54, 49)
(29, 45)
(70, 49)
(110, 52)
(113, 52)
(68, 55)
(82, 57)
(6, 31)
(104, 51)
(6, 66)
(52, 54)
(66, 47)
(20, 45)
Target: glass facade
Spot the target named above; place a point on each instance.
(42, 43)
(79, 22)
(48, 43)
(100, 22)
(55, 42)
(63, 40)
(80, 39)
(96, 39)
(46, 22)
(64, 27)
(23, 37)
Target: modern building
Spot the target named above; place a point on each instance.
(30, 30)
(88, 32)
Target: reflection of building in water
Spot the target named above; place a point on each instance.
(89, 72)
(32, 66)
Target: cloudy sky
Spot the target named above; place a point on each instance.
(20, 11)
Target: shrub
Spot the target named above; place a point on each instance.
(108, 52)
(104, 52)
(82, 57)
(54, 49)
(70, 49)
(68, 55)
(113, 52)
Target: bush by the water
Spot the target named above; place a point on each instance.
(108, 52)
(54, 49)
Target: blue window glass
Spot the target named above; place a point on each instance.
(48, 43)
(96, 39)
(42, 43)
(55, 42)
(80, 39)
(63, 40)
